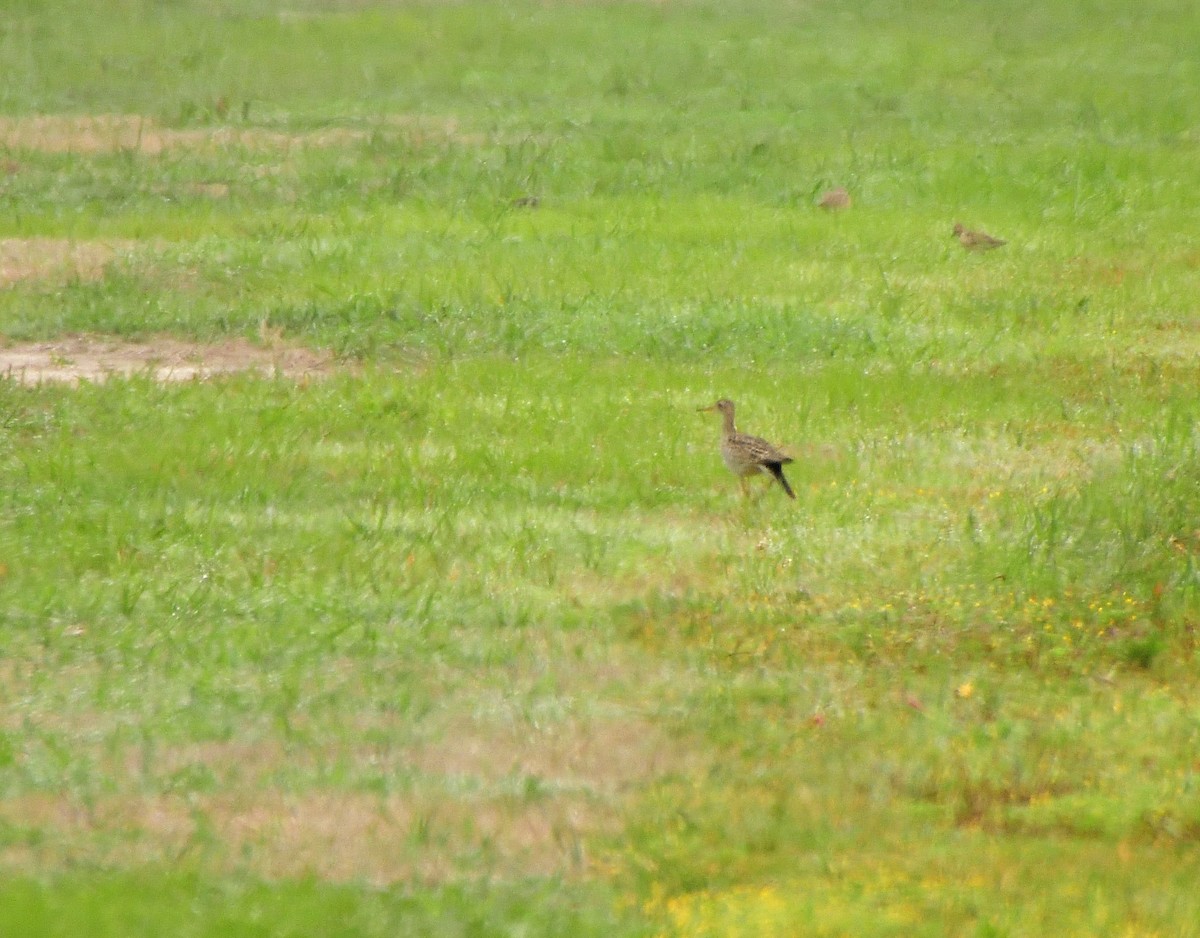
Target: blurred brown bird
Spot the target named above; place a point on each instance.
(747, 455)
(834, 200)
(976, 240)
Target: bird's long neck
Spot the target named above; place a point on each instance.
(727, 417)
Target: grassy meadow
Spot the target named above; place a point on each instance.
(473, 634)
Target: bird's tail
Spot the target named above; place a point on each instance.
(777, 472)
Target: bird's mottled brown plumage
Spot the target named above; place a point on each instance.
(834, 200)
(747, 455)
(976, 240)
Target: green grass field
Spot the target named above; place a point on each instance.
(473, 634)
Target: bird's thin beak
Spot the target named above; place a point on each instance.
(709, 407)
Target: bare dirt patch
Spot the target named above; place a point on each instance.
(136, 133)
(72, 359)
(58, 258)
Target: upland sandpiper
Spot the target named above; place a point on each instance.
(976, 240)
(835, 200)
(747, 455)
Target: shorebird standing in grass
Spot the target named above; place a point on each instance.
(976, 240)
(747, 455)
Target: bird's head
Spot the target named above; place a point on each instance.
(958, 228)
(723, 406)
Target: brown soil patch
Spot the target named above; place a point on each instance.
(135, 133)
(56, 258)
(111, 133)
(73, 359)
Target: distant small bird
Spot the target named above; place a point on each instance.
(834, 200)
(526, 201)
(976, 240)
(747, 455)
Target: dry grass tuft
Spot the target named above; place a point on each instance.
(603, 757)
(24, 259)
(337, 836)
